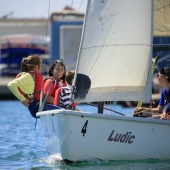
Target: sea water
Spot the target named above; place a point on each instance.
(22, 148)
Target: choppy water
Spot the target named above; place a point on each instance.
(23, 148)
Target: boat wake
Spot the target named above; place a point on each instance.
(95, 163)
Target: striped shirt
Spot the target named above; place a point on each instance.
(65, 96)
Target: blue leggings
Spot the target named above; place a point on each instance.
(34, 107)
(166, 108)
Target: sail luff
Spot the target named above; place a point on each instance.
(82, 37)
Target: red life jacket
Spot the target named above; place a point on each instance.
(38, 78)
(57, 97)
(56, 85)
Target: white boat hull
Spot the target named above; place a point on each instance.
(104, 137)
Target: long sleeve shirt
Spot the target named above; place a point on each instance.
(25, 82)
(165, 97)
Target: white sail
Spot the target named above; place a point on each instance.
(114, 62)
(161, 17)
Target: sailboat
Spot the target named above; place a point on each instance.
(114, 64)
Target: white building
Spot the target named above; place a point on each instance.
(24, 26)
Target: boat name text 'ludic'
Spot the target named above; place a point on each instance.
(121, 138)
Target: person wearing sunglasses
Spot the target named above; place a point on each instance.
(163, 109)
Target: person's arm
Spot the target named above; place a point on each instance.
(157, 110)
(20, 82)
(13, 87)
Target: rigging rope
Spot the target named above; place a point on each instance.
(42, 101)
(70, 11)
(41, 94)
(166, 24)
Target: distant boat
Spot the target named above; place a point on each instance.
(114, 64)
(14, 47)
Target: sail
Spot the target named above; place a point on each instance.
(114, 62)
(161, 17)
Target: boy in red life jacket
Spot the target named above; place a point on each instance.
(56, 80)
(28, 84)
(63, 94)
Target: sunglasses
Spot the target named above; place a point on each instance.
(160, 75)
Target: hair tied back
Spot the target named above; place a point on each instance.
(25, 60)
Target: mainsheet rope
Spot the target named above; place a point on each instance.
(64, 45)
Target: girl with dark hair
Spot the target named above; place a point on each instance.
(164, 104)
(55, 80)
(28, 84)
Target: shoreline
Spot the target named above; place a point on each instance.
(5, 94)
